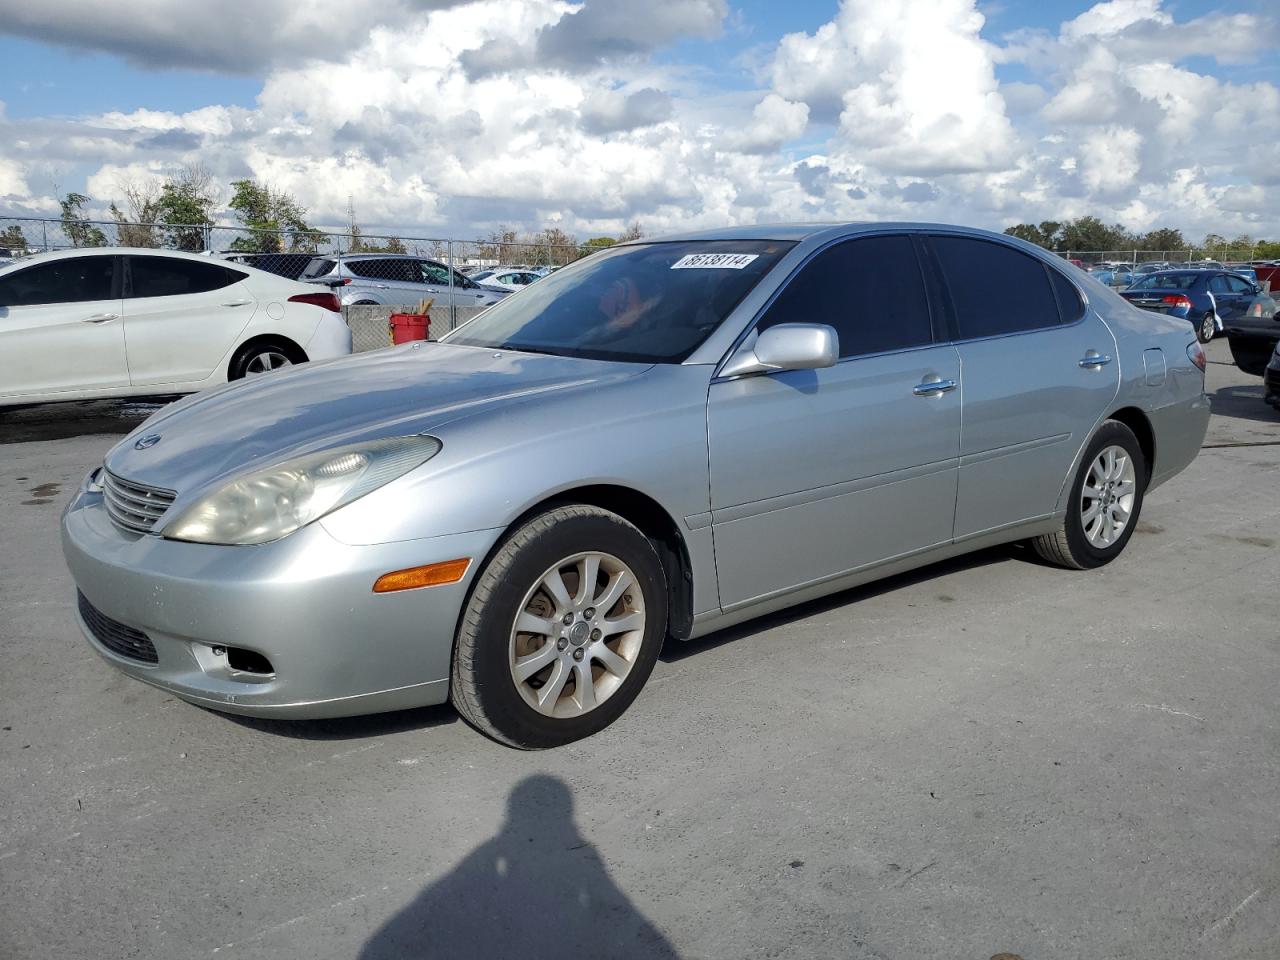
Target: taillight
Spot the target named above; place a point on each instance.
(326, 300)
(1195, 353)
(1177, 300)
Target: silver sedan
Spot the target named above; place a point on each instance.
(658, 441)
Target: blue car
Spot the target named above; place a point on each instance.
(1114, 275)
(1211, 300)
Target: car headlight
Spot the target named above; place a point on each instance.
(272, 503)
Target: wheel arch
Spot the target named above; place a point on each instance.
(292, 349)
(651, 519)
(1137, 421)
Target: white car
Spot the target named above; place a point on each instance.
(116, 321)
(510, 279)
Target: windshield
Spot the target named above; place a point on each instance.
(647, 303)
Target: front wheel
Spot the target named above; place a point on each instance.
(1207, 328)
(1105, 500)
(561, 630)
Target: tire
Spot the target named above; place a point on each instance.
(484, 686)
(365, 303)
(1082, 545)
(262, 356)
(1206, 328)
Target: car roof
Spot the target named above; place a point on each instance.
(830, 230)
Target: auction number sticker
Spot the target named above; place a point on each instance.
(714, 261)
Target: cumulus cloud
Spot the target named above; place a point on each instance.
(774, 121)
(609, 111)
(912, 84)
(599, 32)
(531, 112)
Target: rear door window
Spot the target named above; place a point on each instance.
(994, 289)
(433, 272)
(72, 280)
(1070, 304)
(174, 277)
(871, 290)
(318, 268)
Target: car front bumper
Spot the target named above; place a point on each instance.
(1271, 379)
(305, 603)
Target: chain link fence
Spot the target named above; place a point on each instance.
(373, 275)
(1174, 258)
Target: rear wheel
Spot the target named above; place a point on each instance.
(562, 629)
(263, 356)
(1105, 500)
(1207, 328)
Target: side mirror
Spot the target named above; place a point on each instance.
(788, 346)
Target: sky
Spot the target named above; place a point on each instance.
(448, 118)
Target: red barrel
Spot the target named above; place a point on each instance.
(406, 327)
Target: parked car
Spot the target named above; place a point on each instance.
(1211, 300)
(397, 280)
(1271, 378)
(1243, 270)
(288, 265)
(1151, 267)
(1112, 275)
(512, 279)
(110, 322)
(659, 441)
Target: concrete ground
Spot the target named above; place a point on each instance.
(986, 757)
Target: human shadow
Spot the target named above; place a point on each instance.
(537, 889)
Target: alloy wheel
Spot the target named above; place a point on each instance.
(577, 635)
(1106, 500)
(265, 362)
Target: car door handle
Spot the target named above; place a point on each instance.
(932, 388)
(381, 286)
(237, 303)
(1094, 361)
(101, 318)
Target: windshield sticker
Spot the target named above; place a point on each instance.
(714, 261)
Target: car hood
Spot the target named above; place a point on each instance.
(407, 390)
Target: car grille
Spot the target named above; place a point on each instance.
(115, 636)
(134, 506)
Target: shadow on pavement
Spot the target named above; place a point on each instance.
(350, 728)
(1243, 402)
(676, 650)
(537, 889)
(61, 421)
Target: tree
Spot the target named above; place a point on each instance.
(495, 247)
(1088, 234)
(554, 246)
(12, 238)
(273, 217)
(1047, 234)
(136, 227)
(633, 232)
(359, 244)
(185, 207)
(1164, 239)
(598, 243)
(76, 226)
